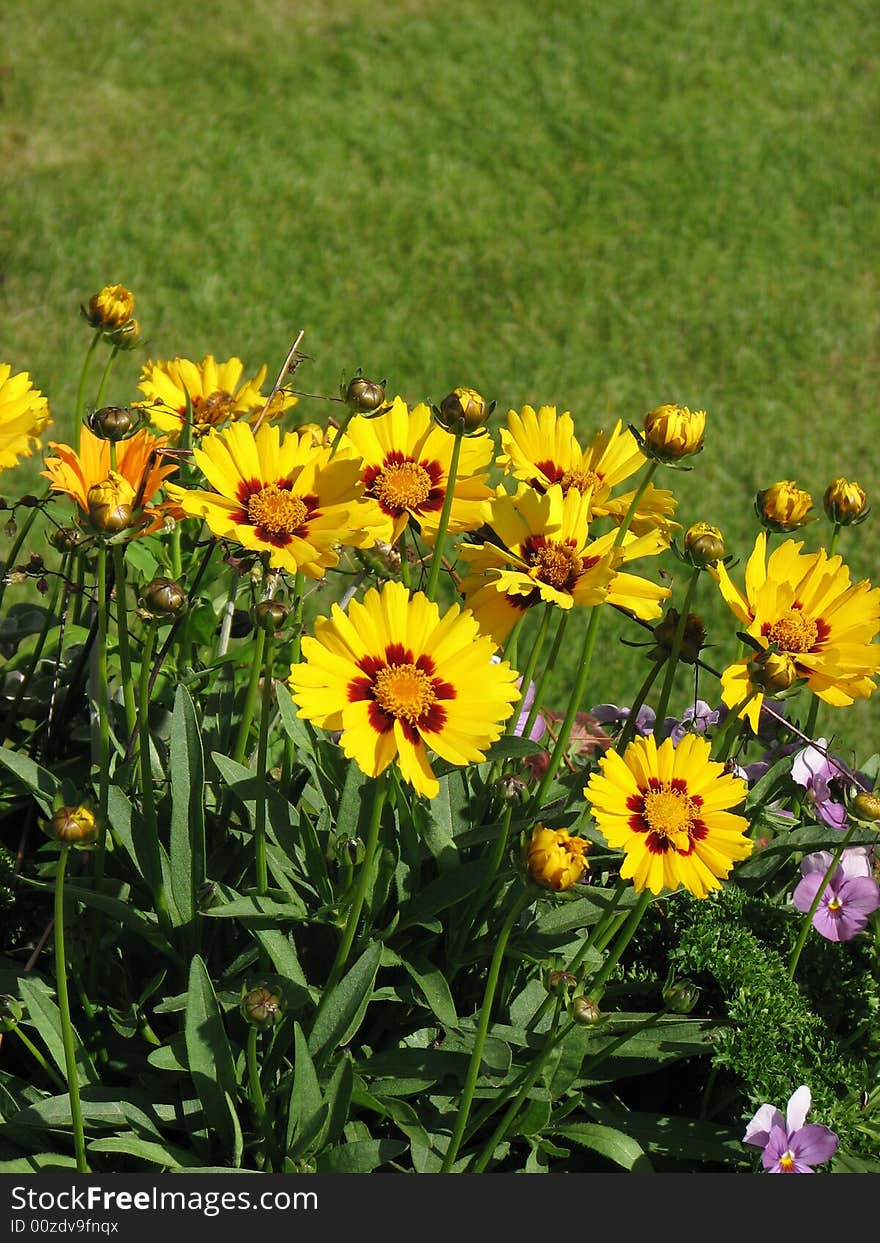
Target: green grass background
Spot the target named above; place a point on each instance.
(601, 206)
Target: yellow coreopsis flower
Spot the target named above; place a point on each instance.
(216, 393)
(673, 432)
(541, 449)
(544, 552)
(845, 502)
(398, 679)
(406, 460)
(783, 506)
(282, 496)
(109, 309)
(24, 412)
(805, 607)
(555, 859)
(668, 809)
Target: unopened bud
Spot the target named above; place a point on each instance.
(110, 504)
(163, 597)
(261, 1007)
(585, 1011)
(110, 308)
(773, 672)
(126, 337)
(463, 410)
(845, 503)
(65, 539)
(692, 642)
(512, 789)
(866, 806)
(113, 423)
(73, 826)
(270, 615)
(783, 506)
(555, 859)
(560, 981)
(364, 395)
(680, 996)
(704, 545)
(673, 432)
(207, 895)
(11, 1011)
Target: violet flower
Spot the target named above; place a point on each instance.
(539, 727)
(790, 1147)
(820, 777)
(850, 896)
(699, 717)
(610, 714)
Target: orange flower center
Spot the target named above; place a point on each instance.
(671, 814)
(213, 409)
(582, 480)
(404, 691)
(794, 632)
(402, 485)
(556, 564)
(786, 1163)
(835, 904)
(276, 510)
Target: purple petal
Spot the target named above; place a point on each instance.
(758, 1130)
(609, 714)
(859, 895)
(797, 1108)
(775, 1148)
(856, 862)
(819, 861)
(809, 764)
(806, 890)
(831, 813)
(813, 1144)
(645, 718)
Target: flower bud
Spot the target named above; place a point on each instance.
(773, 672)
(555, 859)
(845, 503)
(73, 826)
(783, 506)
(463, 410)
(512, 789)
(113, 423)
(692, 642)
(704, 545)
(680, 996)
(673, 432)
(126, 337)
(261, 1007)
(11, 1011)
(207, 895)
(270, 615)
(866, 806)
(163, 597)
(65, 539)
(585, 1011)
(560, 981)
(110, 504)
(364, 395)
(110, 308)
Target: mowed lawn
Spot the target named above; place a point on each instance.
(597, 206)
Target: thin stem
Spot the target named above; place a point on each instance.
(547, 673)
(404, 560)
(467, 1096)
(574, 704)
(19, 540)
(675, 652)
(629, 728)
(222, 646)
(76, 1117)
(50, 1070)
(812, 716)
(258, 1100)
(99, 400)
(626, 935)
(268, 698)
(724, 739)
(443, 526)
(148, 803)
(814, 905)
(83, 375)
(250, 703)
(531, 664)
(835, 536)
(100, 697)
(122, 637)
(473, 907)
(29, 672)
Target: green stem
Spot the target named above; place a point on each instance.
(443, 526)
(403, 547)
(258, 1101)
(101, 699)
(50, 1070)
(473, 907)
(48, 622)
(531, 664)
(250, 703)
(295, 652)
(83, 375)
(814, 905)
(99, 400)
(812, 717)
(547, 673)
(629, 728)
(79, 1141)
(23, 533)
(268, 697)
(634, 503)
(835, 536)
(626, 935)
(128, 695)
(354, 912)
(726, 736)
(574, 704)
(674, 653)
(467, 1096)
(148, 801)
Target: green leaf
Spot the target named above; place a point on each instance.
(207, 1048)
(187, 777)
(46, 1017)
(296, 729)
(256, 907)
(346, 1005)
(39, 781)
(431, 983)
(359, 1157)
(337, 1096)
(282, 952)
(38, 1162)
(306, 1111)
(148, 1150)
(445, 892)
(609, 1143)
(511, 747)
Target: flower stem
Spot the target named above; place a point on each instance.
(101, 699)
(148, 803)
(814, 905)
(403, 548)
(50, 1070)
(443, 526)
(531, 664)
(574, 704)
(835, 536)
(812, 717)
(541, 688)
(76, 1117)
(467, 1096)
(23, 533)
(629, 726)
(674, 653)
(250, 703)
(268, 697)
(122, 637)
(724, 739)
(258, 1101)
(627, 933)
(83, 376)
(99, 400)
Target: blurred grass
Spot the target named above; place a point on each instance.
(597, 206)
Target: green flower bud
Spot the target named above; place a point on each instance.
(261, 1007)
(693, 639)
(73, 826)
(270, 615)
(163, 597)
(65, 539)
(364, 396)
(463, 410)
(11, 1011)
(680, 996)
(585, 1011)
(704, 545)
(560, 981)
(126, 337)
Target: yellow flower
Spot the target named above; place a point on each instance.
(111, 308)
(24, 412)
(555, 859)
(286, 497)
(804, 605)
(110, 504)
(138, 462)
(73, 826)
(397, 679)
(673, 432)
(543, 552)
(406, 460)
(783, 506)
(541, 449)
(845, 502)
(215, 391)
(667, 808)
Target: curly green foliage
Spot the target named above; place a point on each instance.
(776, 1040)
(7, 872)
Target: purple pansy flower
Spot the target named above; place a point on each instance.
(610, 714)
(539, 727)
(790, 1147)
(850, 896)
(700, 716)
(819, 776)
